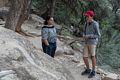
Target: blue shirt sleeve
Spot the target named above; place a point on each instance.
(97, 31)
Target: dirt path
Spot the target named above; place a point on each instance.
(75, 67)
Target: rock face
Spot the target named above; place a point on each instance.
(20, 60)
(111, 76)
(34, 24)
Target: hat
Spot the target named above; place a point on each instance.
(89, 13)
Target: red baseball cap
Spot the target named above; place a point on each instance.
(89, 13)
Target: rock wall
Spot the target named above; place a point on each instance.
(20, 60)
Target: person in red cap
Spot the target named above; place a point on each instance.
(91, 33)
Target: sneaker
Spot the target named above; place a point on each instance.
(87, 71)
(92, 74)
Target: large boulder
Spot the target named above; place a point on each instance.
(77, 46)
(63, 48)
(20, 60)
(33, 25)
(36, 18)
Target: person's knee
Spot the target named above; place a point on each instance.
(85, 58)
(93, 57)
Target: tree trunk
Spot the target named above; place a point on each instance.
(18, 13)
(52, 11)
(49, 8)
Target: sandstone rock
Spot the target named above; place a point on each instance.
(63, 48)
(36, 41)
(100, 71)
(74, 67)
(36, 18)
(68, 50)
(77, 46)
(22, 61)
(58, 27)
(110, 76)
(33, 25)
(29, 28)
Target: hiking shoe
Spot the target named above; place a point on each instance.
(87, 71)
(92, 74)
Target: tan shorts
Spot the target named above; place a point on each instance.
(89, 50)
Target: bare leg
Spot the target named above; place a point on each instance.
(93, 62)
(86, 62)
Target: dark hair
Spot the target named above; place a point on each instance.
(46, 19)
